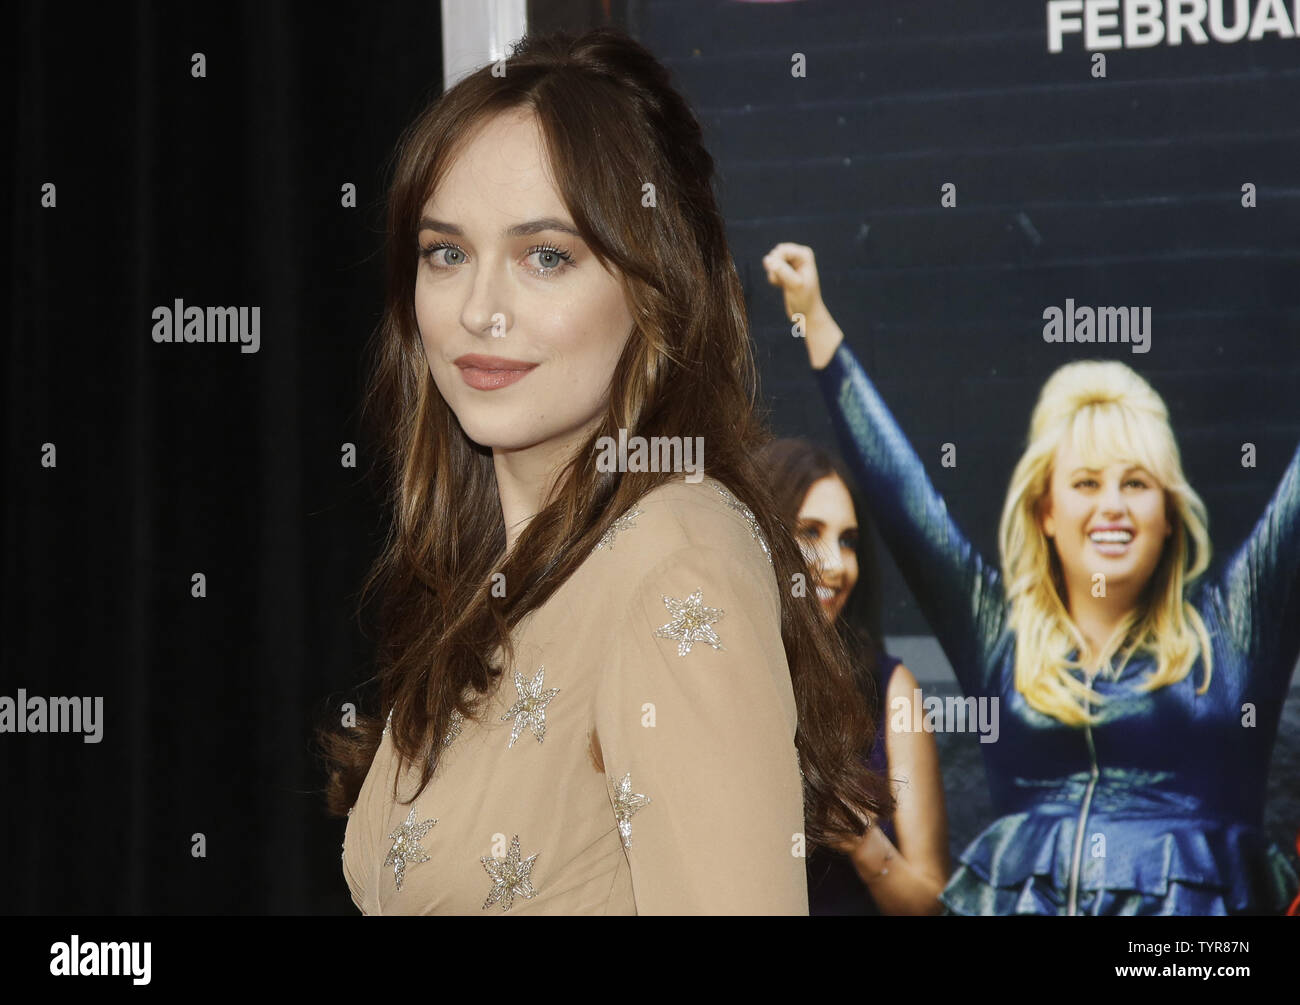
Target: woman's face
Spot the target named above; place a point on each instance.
(521, 325)
(1111, 521)
(827, 530)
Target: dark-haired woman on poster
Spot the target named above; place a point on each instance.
(595, 695)
(900, 866)
(1138, 701)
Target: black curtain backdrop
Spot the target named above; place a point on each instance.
(175, 460)
(132, 467)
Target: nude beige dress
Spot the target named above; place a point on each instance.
(638, 758)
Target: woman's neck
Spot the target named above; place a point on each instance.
(525, 477)
(1098, 618)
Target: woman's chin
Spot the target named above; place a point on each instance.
(1117, 571)
(497, 436)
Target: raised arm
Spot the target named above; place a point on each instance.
(960, 595)
(1261, 583)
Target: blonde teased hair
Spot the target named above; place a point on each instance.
(1108, 413)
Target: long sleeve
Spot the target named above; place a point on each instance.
(960, 595)
(696, 719)
(1261, 585)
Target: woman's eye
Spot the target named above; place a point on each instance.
(849, 541)
(1085, 483)
(428, 255)
(1137, 483)
(550, 259)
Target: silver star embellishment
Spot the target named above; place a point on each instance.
(691, 623)
(530, 710)
(388, 723)
(453, 730)
(626, 802)
(510, 876)
(622, 523)
(730, 499)
(406, 848)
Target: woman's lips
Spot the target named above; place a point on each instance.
(489, 373)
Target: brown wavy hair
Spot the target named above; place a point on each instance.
(611, 122)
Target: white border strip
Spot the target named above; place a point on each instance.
(478, 32)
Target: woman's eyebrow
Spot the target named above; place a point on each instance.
(518, 230)
(1096, 471)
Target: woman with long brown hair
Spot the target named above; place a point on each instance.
(598, 692)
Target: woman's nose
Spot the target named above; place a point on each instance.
(830, 559)
(1112, 500)
(485, 311)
